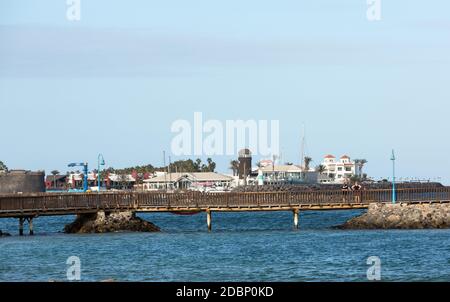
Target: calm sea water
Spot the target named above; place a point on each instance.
(241, 247)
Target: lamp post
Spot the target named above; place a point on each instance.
(100, 162)
(394, 197)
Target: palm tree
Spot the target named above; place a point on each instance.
(360, 164)
(198, 165)
(211, 165)
(234, 165)
(353, 179)
(274, 159)
(3, 167)
(308, 161)
(54, 173)
(320, 169)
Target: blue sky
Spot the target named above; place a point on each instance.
(115, 81)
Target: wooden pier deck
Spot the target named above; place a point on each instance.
(29, 206)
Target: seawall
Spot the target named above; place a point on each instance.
(21, 181)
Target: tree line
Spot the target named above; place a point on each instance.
(187, 165)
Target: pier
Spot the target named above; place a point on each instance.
(26, 207)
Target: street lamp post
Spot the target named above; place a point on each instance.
(100, 162)
(394, 195)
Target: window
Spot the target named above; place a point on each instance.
(339, 168)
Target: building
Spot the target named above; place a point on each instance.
(265, 162)
(245, 163)
(74, 180)
(286, 174)
(338, 171)
(56, 182)
(22, 181)
(120, 181)
(111, 181)
(272, 173)
(188, 180)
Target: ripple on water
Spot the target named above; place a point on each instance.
(242, 247)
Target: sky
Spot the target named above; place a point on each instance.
(115, 81)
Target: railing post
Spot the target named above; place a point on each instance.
(196, 198)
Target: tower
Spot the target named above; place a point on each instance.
(245, 163)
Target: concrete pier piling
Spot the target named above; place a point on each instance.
(208, 220)
(30, 225)
(21, 226)
(296, 212)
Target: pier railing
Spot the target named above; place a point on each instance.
(75, 202)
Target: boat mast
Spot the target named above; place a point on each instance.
(302, 163)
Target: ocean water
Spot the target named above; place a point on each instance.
(242, 247)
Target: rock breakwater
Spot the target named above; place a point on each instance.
(402, 216)
(102, 222)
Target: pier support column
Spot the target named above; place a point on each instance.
(21, 226)
(30, 225)
(296, 211)
(208, 219)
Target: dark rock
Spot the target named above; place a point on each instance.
(402, 216)
(2, 234)
(102, 222)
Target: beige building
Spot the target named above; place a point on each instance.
(188, 180)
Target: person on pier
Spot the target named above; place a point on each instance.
(356, 188)
(345, 192)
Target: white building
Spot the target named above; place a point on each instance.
(286, 173)
(203, 181)
(281, 172)
(338, 171)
